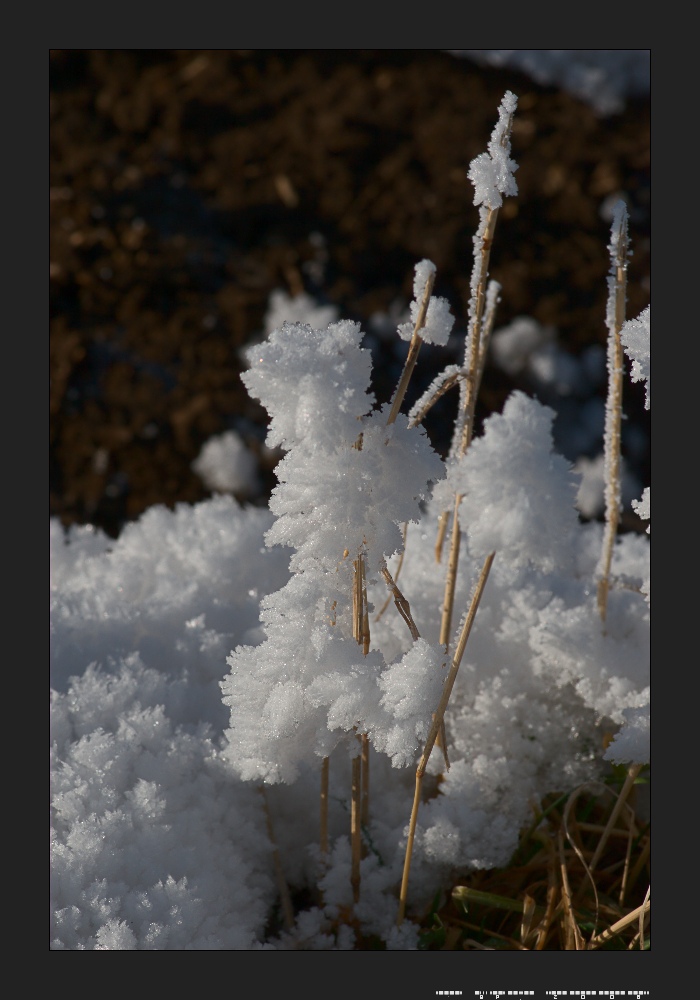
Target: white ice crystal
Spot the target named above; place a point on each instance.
(636, 339)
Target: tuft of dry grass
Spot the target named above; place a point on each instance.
(578, 881)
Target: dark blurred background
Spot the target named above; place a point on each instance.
(187, 185)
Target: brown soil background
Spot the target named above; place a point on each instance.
(187, 185)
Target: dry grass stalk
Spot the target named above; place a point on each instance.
(626, 868)
(641, 861)
(553, 876)
(527, 933)
(387, 602)
(493, 297)
(471, 382)
(573, 939)
(440, 536)
(638, 914)
(613, 420)
(621, 798)
(413, 349)
(451, 578)
(282, 887)
(438, 719)
(553, 898)
(402, 605)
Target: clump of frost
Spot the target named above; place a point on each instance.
(301, 308)
(635, 335)
(308, 687)
(632, 743)
(438, 320)
(590, 498)
(153, 846)
(643, 506)
(300, 372)
(335, 497)
(501, 478)
(226, 465)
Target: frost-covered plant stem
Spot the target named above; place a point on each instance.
(492, 175)
(413, 349)
(615, 318)
(436, 726)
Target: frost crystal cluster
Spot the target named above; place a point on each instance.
(347, 484)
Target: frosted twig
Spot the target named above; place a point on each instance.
(492, 175)
(445, 380)
(438, 719)
(413, 349)
(483, 243)
(615, 318)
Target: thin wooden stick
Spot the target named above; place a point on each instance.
(438, 718)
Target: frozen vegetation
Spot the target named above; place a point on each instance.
(220, 671)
